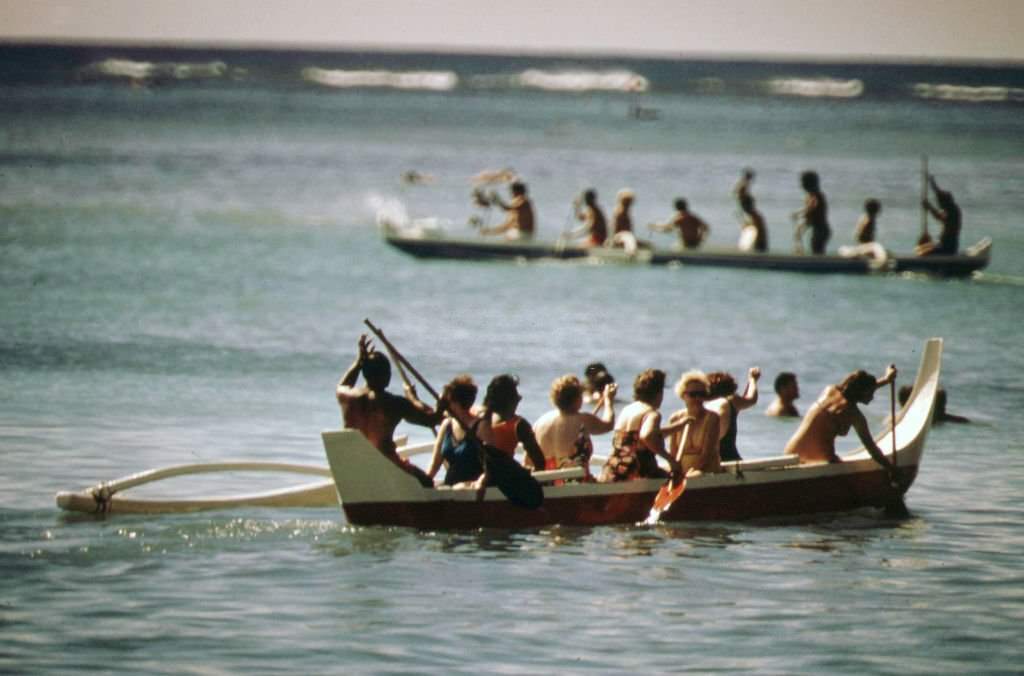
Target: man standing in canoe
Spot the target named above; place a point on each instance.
(692, 230)
(376, 412)
(813, 216)
(948, 213)
(519, 221)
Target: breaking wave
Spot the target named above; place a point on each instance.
(434, 80)
(146, 71)
(951, 92)
(816, 87)
(583, 80)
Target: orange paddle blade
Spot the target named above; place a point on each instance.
(668, 494)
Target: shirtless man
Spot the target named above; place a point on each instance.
(787, 391)
(832, 416)
(376, 412)
(558, 431)
(813, 216)
(692, 230)
(948, 213)
(519, 223)
(595, 226)
(753, 232)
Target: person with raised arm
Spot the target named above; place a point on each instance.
(519, 221)
(832, 416)
(375, 412)
(948, 213)
(727, 404)
(561, 431)
(638, 440)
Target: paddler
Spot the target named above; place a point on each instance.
(595, 225)
(692, 230)
(519, 219)
(947, 212)
(376, 412)
(834, 413)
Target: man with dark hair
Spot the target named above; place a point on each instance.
(519, 223)
(787, 390)
(376, 412)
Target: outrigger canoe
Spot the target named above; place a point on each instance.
(429, 243)
(375, 492)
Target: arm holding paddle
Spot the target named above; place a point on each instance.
(860, 425)
(651, 436)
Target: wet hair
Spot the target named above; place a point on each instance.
(518, 188)
(648, 384)
(680, 204)
(872, 206)
(809, 181)
(597, 376)
(858, 386)
(691, 377)
(376, 370)
(720, 384)
(783, 379)
(565, 392)
(462, 390)
(502, 393)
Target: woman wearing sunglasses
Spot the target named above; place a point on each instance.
(693, 431)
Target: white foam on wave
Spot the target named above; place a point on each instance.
(583, 80)
(145, 70)
(823, 87)
(434, 80)
(950, 92)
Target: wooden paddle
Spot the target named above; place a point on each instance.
(924, 238)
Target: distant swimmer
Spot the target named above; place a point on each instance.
(753, 232)
(787, 391)
(376, 412)
(948, 213)
(832, 416)
(595, 226)
(941, 415)
(813, 216)
(413, 177)
(519, 219)
(692, 230)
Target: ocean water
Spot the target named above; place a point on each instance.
(188, 249)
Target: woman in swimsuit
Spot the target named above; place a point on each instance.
(833, 414)
(727, 404)
(638, 440)
(563, 431)
(693, 431)
(455, 446)
(500, 426)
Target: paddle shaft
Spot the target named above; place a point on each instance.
(400, 360)
(924, 194)
(892, 416)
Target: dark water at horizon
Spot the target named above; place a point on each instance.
(188, 250)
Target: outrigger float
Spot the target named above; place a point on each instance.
(372, 491)
(431, 243)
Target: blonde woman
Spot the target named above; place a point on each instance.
(693, 431)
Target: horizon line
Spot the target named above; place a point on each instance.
(538, 52)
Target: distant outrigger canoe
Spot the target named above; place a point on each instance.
(435, 244)
(375, 492)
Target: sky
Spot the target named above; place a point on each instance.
(942, 30)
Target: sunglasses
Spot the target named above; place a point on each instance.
(696, 394)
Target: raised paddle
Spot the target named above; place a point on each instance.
(514, 481)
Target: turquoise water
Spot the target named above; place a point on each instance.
(184, 271)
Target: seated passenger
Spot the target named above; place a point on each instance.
(561, 432)
(376, 412)
(692, 230)
(638, 438)
(622, 224)
(787, 391)
(867, 226)
(595, 226)
(456, 446)
(833, 414)
(519, 223)
(727, 404)
(693, 431)
(501, 427)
